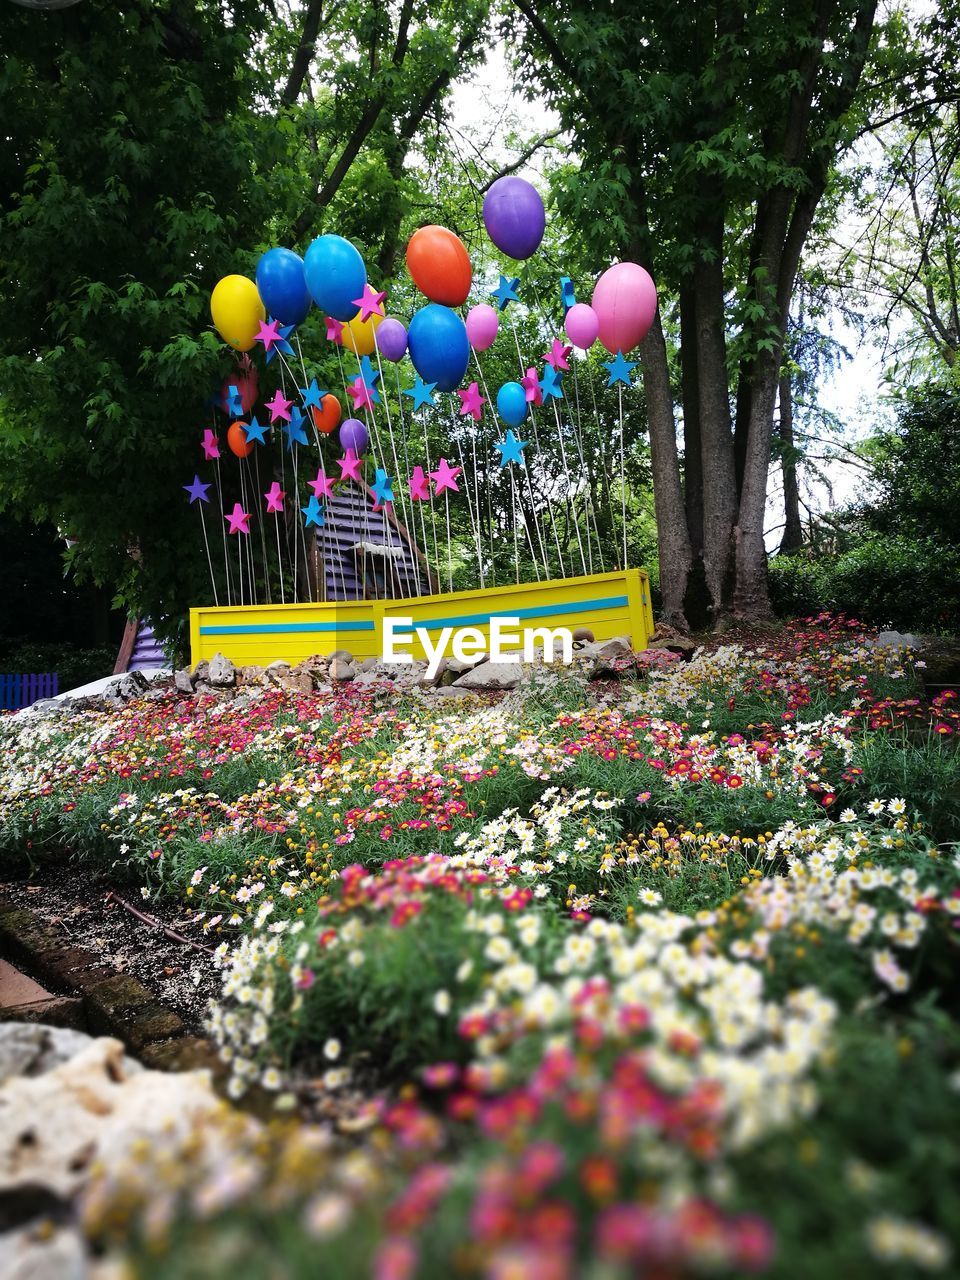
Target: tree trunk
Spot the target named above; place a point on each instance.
(696, 604)
(792, 539)
(672, 535)
(716, 441)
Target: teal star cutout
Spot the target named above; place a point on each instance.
(314, 513)
(254, 430)
(294, 429)
(382, 487)
(312, 396)
(550, 384)
(510, 449)
(421, 392)
(506, 291)
(283, 345)
(619, 369)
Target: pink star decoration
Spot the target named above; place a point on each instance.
(445, 477)
(371, 304)
(274, 496)
(239, 519)
(211, 445)
(531, 385)
(279, 407)
(269, 334)
(419, 486)
(334, 330)
(349, 466)
(360, 392)
(471, 401)
(323, 485)
(557, 355)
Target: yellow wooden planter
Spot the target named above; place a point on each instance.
(609, 604)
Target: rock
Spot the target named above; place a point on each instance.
(301, 682)
(91, 1110)
(201, 670)
(430, 682)
(30, 1049)
(343, 654)
(342, 669)
(251, 675)
(369, 664)
(673, 644)
(618, 647)
(38, 1251)
(183, 681)
(583, 633)
(275, 670)
(222, 673)
(459, 665)
(130, 685)
(897, 640)
(490, 675)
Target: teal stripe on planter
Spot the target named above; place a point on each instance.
(539, 611)
(284, 628)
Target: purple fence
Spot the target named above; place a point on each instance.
(23, 690)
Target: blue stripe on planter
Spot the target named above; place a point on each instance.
(539, 611)
(284, 628)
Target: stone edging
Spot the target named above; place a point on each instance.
(112, 1003)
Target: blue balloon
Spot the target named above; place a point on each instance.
(512, 404)
(335, 276)
(438, 345)
(282, 286)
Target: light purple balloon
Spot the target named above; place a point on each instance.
(353, 435)
(482, 326)
(514, 216)
(582, 325)
(391, 339)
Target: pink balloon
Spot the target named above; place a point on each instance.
(582, 325)
(482, 326)
(625, 301)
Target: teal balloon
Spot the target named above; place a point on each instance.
(438, 345)
(335, 276)
(512, 404)
(282, 286)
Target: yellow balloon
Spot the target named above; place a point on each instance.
(358, 335)
(237, 311)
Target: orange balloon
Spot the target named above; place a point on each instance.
(237, 440)
(327, 418)
(439, 265)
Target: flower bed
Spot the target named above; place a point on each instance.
(650, 977)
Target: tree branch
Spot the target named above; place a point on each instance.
(304, 54)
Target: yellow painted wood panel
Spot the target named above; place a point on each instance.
(610, 604)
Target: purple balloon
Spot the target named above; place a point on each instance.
(391, 339)
(353, 435)
(482, 326)
(582, 325)
(514, 216)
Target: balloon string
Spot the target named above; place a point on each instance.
(414, 502)
(572, 496)
(490, 531)
(400, 579)
(276, 529)
(623, 475)
(213, 581)
(223, 531)
(474, 527)
(603, 459)
(536, 438)
(516, 542)
(446, 496)
(591, 512)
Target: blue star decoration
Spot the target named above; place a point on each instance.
(314, 512)
(510, 449)
(619, 369)
(294, 429)
(283, 345)
(254, 430)
(550, 384)
(382, 488)
(368, 373)
(567, 295)
(198, 491)
(312, 396)
(421, 392)
(506, 291)
(234, 402)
